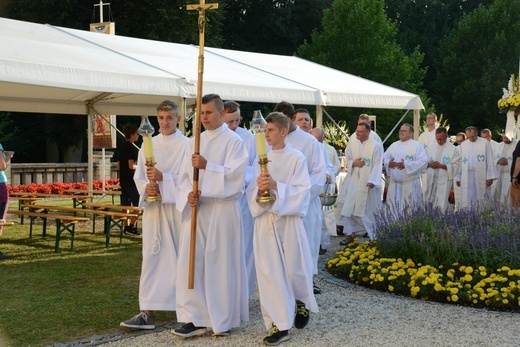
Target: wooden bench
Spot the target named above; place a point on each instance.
(63, 223)
(111, 207)
(111, 219)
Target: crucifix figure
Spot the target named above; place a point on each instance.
(201, 8)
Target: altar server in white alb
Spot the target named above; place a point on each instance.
(233, 118)
(316, 166)
(161, 220)
(282, 255)
(364, 161)
(443, 165)
(504, 158)
(219, 299)
(477, 169)
(404, 160)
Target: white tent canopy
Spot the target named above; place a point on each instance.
(48, 69)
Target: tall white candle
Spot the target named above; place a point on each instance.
(261, 144)
(148, 147)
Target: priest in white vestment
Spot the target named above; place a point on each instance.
(219, 299)
(328, 227)
(459, 138)
(488, 135)
(282, 255)
(233, 118)
(161, 221)
(404, 161)
(427, 138)
(443, 165)
(477, 169)
(374, 136)
(504, 159)
(363, 199)
(313, 152)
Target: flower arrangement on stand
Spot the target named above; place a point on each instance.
(511, 98)
(336, 137)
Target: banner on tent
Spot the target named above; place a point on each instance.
(104, 134)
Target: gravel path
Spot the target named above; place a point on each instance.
(351, 316)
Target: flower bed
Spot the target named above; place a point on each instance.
(362, 264)
(58, 188)
(470, 257)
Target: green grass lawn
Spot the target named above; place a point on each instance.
(49, 297)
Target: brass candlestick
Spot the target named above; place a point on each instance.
(146, 130)
(264, 196)
(258, 123)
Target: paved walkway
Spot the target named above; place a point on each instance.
(349, 316)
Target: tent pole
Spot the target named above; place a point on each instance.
(416, 123)
(319, 116)
(90, 130)
(182, 114)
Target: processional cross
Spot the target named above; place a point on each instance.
(101, 4)
(201, 7)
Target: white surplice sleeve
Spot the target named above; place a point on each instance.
(420, 162)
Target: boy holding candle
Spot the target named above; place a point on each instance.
(282, 254)
(161, 220)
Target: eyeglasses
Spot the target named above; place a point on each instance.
(404, 131)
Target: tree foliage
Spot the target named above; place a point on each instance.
(423, 23)
(358, 38)
(477, 58)
(278, 26)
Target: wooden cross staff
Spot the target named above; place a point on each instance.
(201, 7)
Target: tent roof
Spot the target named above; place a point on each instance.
(49, 69)
(337, 88)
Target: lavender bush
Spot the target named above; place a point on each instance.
(485, 236)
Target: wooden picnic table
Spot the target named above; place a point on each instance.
(63, 223)
(112, 219)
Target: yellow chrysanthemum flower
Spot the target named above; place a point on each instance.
(454, 298)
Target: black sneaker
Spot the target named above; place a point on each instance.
(316, 289)
(189, 330)
(141, 321)
(131, 231)
(302, 316)
(323, 250)
(275, 337)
